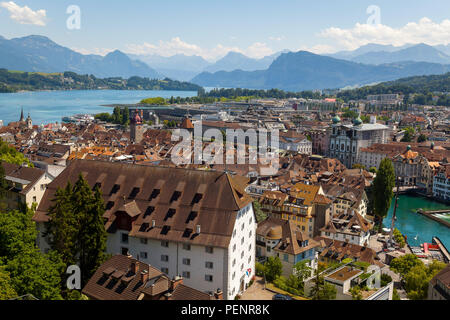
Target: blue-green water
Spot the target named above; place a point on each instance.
(413, 224)
(50, 106)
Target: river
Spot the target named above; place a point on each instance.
(413, 224)
(50, 106)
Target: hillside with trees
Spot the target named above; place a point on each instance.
(14, 81)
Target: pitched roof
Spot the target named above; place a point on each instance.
(176, 199)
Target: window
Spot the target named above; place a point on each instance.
(250, 247)
(249, 259)
(234, 248)
(286, 257)
(209, 278)
(165, 244)
(186, 247)
(234, 262)
(242, 254)
(124, 251)
(234, 233)
(124, 238)
(242, 240)
(186, 274)
(134, 193)
(144, 241)
(187, 262)
(250, 234)
(165, 258)
(209, 250)
(209, 265)
(143, 255)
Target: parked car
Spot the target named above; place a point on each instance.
(281, 297)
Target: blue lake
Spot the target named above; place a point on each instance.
(412, 224)
(50, 106)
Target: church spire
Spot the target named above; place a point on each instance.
(22, 119)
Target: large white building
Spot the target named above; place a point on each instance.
(195, 224)
(347, 140)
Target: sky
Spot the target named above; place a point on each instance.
(212, 28)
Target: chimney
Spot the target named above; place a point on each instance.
(153, 223)
(218, 294)
(175, 282)
(144, 276)
(199, 229)
(134, 267)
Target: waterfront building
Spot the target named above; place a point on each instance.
(441, 184)
(346, 140)
(199, 225)
(285, 240)
(407, 167)
(1, 123)
(351, 227)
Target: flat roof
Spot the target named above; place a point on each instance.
(344, 274)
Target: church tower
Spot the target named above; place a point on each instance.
(29, 122)
(22, 118)
(136, 128)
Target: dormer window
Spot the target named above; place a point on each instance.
(197, 198)
(134, 193)
(109, 205)
(176, 195)
(155, 194)
(191, 216)
(98, 184)
(149, 211)
(115, 189)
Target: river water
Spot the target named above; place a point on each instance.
(413, 224)
(50, 106)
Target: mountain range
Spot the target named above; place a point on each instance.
(307, 71)
(40, 54)
(184, 68)
(381, 54)
(286, 70)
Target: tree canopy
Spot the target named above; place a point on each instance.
(383, 190)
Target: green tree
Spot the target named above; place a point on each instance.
(76, 227)
(422, 138)
(125, 116)
(260, 215)
(117, 115)
(373, 170)
(302, 271)
(273, 268)
(383, 190)
(34, 273)
(410, 132)
(322, 290)
(9, 154)
(359, 166)
(6, 289)
(17, 232)
(405, 263)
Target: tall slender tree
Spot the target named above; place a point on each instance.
(383, 190)
(76, 228)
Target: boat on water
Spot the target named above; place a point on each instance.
(78, 118)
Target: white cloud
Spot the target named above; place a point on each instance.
(423, 31)
(24, 15)
(178, 46)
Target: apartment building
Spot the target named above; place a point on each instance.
(199, 225)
